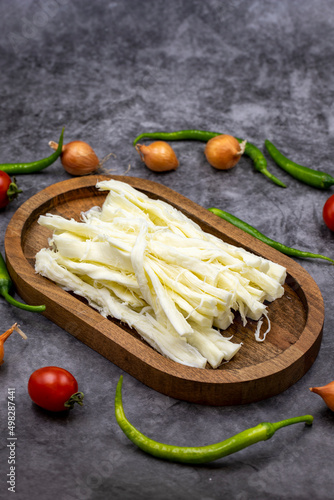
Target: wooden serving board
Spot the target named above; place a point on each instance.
(258, 371)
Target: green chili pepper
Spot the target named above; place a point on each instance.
(293, 252)
(309, 176)
(260, 162)
(5, 286)
(201, 454)
(36, 166)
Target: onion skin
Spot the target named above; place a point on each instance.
(223, 151)
(5, 336)
(78, 158)
(158, 156)
(327, 394)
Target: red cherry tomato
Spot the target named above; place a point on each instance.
(328, 213)
(51, 387)
(8, 189)
(4, 186)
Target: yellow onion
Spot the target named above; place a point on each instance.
(224, 151)
(158, 156)
(327, 394)
(78, 158)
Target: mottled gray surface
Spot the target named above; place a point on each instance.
(107, 71)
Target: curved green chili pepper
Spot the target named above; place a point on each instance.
(260, 163)
(180, 135)
(314, 178)
(5, 286)
(293, 252)
(36, 166)
(200, 454)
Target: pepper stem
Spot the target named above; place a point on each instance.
(308, 419)
(77, 397)
(20, 305)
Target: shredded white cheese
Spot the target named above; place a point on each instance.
(145, 263)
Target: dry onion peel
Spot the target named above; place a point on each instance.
(5, 336)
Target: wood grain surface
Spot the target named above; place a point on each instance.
(258, 371)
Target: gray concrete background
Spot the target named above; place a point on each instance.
(107, 71)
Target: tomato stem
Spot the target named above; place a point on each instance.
(77, 397)
(13, 190)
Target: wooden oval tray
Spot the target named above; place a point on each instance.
(258, 371)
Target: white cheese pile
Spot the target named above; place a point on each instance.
(145, 263)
